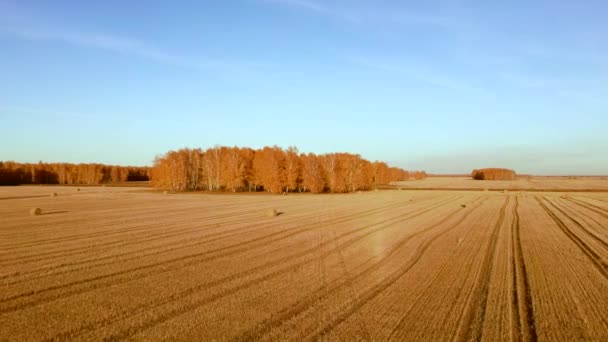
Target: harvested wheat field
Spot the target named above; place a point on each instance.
(128, 263)
(536, 183)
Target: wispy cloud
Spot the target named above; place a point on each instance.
(25, 24)
(419, 73)
(305, 4)
(525, 81)
(413, 18)
(579, 89)
(23, 111)
(318, 8)
(371, 14)
(118, 44)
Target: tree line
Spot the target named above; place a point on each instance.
(493, 174)
(12, 173)
(270, 169)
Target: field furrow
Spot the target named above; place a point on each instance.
(522, 322)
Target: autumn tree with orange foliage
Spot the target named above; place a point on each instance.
(269, 169)
(356, 172)
(177, 170)
(12, 173)
(220, 168)
(493, 174)
(234, 163)
(381, 173)
(293, 169)
(332, 164)
(418, 175)
(313, 174)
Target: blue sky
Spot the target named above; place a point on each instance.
(445, 86)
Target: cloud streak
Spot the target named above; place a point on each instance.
(107, 42)
(121, 45)
(36, 113)
(583, 90)
(372, 15)
(318, 8)
(419, 74)
(305, 4)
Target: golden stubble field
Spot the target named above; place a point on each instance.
(576, 184)
(126, 263)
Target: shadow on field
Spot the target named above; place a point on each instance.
(55, 212)
(22, 197)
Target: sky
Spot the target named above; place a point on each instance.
(444, 86)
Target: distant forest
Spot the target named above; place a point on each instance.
(234, 169)
(271, 169)
(12, 173)
(493, 174)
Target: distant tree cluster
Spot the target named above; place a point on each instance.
(12, 173)
(418, 175)
(493, 174)
(270, 169)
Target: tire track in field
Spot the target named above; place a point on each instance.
(205, 256)
(252, 271)
(99, 208)
(277, 320)
(399, 327)
(21, 197)
(600, 265)
(146, 218)
(331, 288)
(595, 208)
(96, 234)
(118, 217)
(104, 211)
(143, 215)
(578, 224)
(113, 243)
(162, 224)
(595, 226)
(213, 237)
(378, 288)
(522, 309)
(583, 213)
(235, 232)
(322, 272)
(134, 213)
(348, 284)
(474, 313)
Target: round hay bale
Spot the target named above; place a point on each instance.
(53, 194)
(77, 189)
(272, 213)
(463, 205)
(35, 211)
(376, 190)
